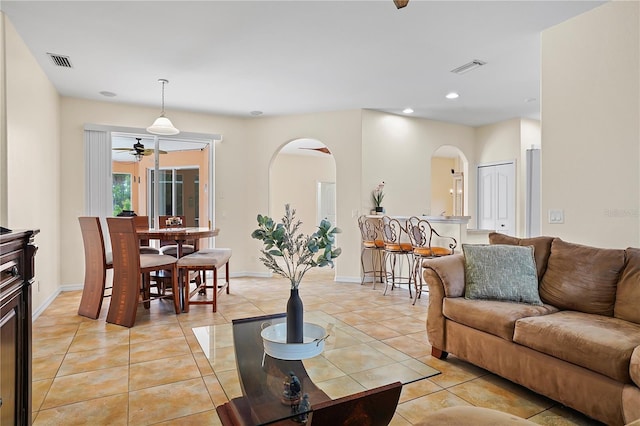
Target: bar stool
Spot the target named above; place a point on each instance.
(424, 246)
(397, 247)
(204, 260)
(372, 243)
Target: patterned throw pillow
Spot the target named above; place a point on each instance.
(501, 272)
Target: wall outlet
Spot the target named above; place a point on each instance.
(556, 216)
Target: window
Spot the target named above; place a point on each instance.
(121, 192)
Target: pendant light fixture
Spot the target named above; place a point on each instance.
(162, 125)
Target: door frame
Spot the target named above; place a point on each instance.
(97, 155)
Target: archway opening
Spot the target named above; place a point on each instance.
(303, 174)
(449, 183)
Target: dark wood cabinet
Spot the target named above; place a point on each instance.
(17, 251)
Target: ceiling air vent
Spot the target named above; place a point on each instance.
(476, 63)
(60, 61)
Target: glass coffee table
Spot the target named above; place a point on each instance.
(259, 387)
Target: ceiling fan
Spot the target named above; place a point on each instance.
(138, 150)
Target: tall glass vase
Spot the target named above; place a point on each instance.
(295, 320)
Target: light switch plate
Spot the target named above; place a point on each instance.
(556, 216)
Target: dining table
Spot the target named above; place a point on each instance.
(178, 234)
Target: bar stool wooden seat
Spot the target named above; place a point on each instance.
(204, 260)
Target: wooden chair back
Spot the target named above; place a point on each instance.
(127, 272)
(162, 224)
(95, 267)
(142, 222)
(374, 407)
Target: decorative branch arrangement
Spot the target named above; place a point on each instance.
(291, 254)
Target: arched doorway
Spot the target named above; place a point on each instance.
(303, 174)
(449, 185)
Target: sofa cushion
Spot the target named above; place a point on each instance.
(582, 278)
(500, 272)
(541, 248)
(634, 367)
(491, 316)
(627, 305)
(477, 416)
(598, 343)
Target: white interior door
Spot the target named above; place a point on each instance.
(327, 202)
(497, 197)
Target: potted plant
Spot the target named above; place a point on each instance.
(377, 196)
(290, 254)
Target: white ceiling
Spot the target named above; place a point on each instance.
(288, 57)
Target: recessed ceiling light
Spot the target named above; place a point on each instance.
(452, 95)
(256, 113)
(408, 111)
(107, 94)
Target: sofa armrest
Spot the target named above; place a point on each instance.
(634, 366)
(445, 278)
(450, 273)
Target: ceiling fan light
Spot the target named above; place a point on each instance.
(162, 126)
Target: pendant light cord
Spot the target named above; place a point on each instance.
(163, 81)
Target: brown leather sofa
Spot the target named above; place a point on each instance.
(581, 347)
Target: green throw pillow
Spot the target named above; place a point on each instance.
(501, 272)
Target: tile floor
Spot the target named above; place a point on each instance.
(89, 372)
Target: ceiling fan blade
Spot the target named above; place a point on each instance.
(400, 3)
(122, 149)
(323, 149)
(150, 151)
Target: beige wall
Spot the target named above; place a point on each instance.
(341, 132)
(3, 126)
(398, 150)
(590, 126)
(293, 180)
(441, 184)
(33, 160)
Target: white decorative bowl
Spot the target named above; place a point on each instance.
(274, 338)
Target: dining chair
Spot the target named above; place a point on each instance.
(426, 243)
(131, 273)
(372, 244)
(96, 262)
(170, 247)
(204, 260)
(397, 249)
(142, 223)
